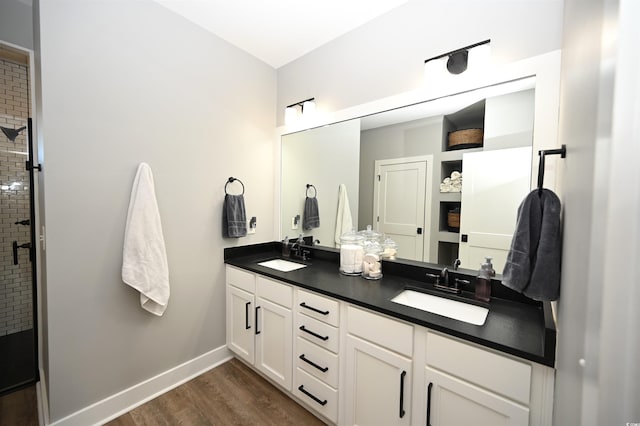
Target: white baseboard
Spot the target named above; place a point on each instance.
(126, 400)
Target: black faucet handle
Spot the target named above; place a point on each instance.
(434, 277)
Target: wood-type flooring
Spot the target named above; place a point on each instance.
(230, 394)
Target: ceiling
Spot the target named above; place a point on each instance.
(280, 31)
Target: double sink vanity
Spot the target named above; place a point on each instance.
(392, 351)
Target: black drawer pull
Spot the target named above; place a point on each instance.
(302, 327)
(429, 404)
(402, 412)
(313, 364)
(304, 305)
(310, 395)
(257, 331)
(246, 316)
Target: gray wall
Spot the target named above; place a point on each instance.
(385, 57)
(122, 83)
(410, 139)
(16, 23)
(324, 157)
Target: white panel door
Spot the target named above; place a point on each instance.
(274, 342)
(453, 402)
(494, 183)
(378, 388)
(400, 205)
(240, 321)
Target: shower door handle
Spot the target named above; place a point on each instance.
(16, 246)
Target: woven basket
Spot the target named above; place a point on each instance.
(453, 220)
(465, 138)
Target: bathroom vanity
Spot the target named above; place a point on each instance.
(340, 346)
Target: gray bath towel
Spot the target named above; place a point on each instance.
(311, 216)
(234, 219)
(533, 262)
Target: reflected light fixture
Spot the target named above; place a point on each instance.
(302, 109)
(473, 58)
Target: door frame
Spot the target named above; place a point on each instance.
(428, 159)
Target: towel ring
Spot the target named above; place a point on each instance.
(315, 191)
(230, 180)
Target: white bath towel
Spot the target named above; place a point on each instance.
(144, 256)
(344, 222)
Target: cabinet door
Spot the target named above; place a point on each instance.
(453, 402)
(378, 385)
(274, 341)
(240, 323)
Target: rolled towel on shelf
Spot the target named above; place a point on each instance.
(456, 175)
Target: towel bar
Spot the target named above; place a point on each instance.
(230, 180)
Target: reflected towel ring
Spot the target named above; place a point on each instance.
(230, 180)
(315, 191)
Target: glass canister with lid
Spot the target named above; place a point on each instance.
(371, 235)
(351, 253)
(372, 260)
(389, 249)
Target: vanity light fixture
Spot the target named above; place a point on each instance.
(473, 58)
(300, 109)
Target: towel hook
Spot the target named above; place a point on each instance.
(315, 191)
(562, 151)
(230, 180)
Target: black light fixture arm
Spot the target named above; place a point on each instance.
(462, 49)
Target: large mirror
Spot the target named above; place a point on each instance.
(407, 173)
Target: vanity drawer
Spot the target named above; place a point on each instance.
(317, 361)
(318, 307)
(391, 334)
(486, 369)
(241, 279)
(274, 291)
(316, 395)
(318, 332)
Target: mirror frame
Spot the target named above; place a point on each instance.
(545, 68)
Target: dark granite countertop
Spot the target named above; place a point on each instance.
(514, 325)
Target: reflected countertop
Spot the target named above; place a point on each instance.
(515, 324)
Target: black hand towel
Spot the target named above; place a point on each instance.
(234, 218)
(533, 262)
(311, 217)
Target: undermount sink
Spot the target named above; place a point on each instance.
(282, 265)
(460, 311)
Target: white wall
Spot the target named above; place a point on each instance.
(386, 56)
(597, 369)
(122, 83)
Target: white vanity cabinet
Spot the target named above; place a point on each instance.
(316, 354)
(259, 323)
(461, 383)
(378, 369)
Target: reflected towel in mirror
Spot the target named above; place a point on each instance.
(311, 214)
(344, 222)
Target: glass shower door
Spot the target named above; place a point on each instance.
(18, 365)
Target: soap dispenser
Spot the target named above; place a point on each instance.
(483, 280)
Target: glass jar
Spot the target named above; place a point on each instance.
(370, 235)
(389, 249)
(372, 260)
(351, 252)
